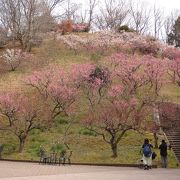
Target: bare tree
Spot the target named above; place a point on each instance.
(69, 11)
(113, 15)
(92, 4)
(3, 37)
(140, 16)
(24, 18)
(53, 3)
(157, 21)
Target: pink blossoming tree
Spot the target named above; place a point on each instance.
(55, 88)
(92, 81)
(133, 86)
(174, 71)
(21, 114)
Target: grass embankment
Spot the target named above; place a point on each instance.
(86, 147)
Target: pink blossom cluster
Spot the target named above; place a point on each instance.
(174, 70)
(80, 27)
(139, 72)
(170, 52)
(55, 86)
(90, 75)
(101, 41)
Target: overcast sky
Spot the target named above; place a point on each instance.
(168, 5)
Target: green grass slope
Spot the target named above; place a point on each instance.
(86, 146)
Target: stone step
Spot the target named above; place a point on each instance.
(175, 148)
(176, 135)
(173, 135)
(174, 144)
(173, 132)
(177, 152)
(173, 139)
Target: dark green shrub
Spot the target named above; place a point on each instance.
(9, 148)
(61, 121)
(57, 148)
(125, 28)
(85, 131)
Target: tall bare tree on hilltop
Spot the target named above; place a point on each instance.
(24, 18)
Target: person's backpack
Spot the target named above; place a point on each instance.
(154, 155)
(147, 151)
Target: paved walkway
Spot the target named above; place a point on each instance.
(31, 171)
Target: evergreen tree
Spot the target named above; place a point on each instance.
(174, 36)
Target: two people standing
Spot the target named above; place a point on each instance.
(148, 154)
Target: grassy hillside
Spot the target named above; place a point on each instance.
(86, 146)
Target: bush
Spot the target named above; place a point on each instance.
(125, 28)
(145, 47)
(85, 131)
(171, 53)
(61, 121)
(57, 148)
(9, 148)
(66, 26)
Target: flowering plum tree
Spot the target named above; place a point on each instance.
(55, 87)
(135, 85)
(155, 70)
(171, 53)
(21, 114)
(174, 71)
(57, 91)
(92, 80)
(114, 119)
(14, 57)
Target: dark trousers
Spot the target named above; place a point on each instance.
(164, 161)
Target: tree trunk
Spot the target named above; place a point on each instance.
(114, 150)
(155, 140)
(28, 47)
(21, 144)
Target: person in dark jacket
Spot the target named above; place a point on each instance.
(163, 153)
